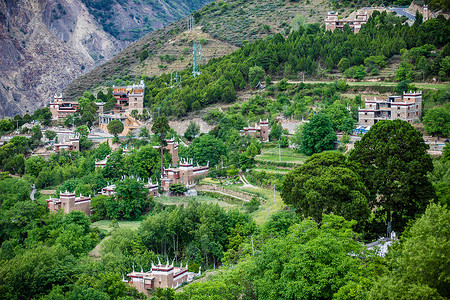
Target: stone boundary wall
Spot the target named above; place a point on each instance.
(216, 188)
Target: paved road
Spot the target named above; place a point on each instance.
(403, 12)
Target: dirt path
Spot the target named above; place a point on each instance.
(96, 251)
(246, 183)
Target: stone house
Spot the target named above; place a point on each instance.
(68, 202)
(185, 174)
(260, 131)
(407, 107)
(332, 21)
(160, 276)
(129, 98)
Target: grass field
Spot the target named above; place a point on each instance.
(272, 170)
(202, 199)
(263, 213)
(105, 225)
(281, 155)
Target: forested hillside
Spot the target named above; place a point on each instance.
(231, 22)
(424, 51)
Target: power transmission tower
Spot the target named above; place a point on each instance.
(190, 23)
(197, 53)
(174, 76)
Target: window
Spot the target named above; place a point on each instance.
(365, 121)
(398, 115)
(365, 114)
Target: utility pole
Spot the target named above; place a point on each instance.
(279, 153)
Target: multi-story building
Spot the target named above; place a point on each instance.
(185, 174)
(260, 131)
(61, 109)
(332, 21)
(407, 107)
(129, 98)
(68, 202)
(160, 276)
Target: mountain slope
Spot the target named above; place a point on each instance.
(232, 22)
(46, 44)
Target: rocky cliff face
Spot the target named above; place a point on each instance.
(45, 44)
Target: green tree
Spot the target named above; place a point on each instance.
(82, 131)
(33, 273)
(50, 135)
(131, 199)
(296, 139)
(144, 133)
(207, 148)
(437, 121)
(115, 127)
(340, 117)
(45, 117)
(177, 189)
(418, 265)
(318, 135)
(37, 135)
(160, 128)
(357, 72)
(343, 64)
(256, 74)
(275, 132)
(34, 165)
(144, 55)
(102, 150)
(395, 163)
(6, 126)
(87, 118)
(326, 183)
(192, 131)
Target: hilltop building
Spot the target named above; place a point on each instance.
(160, 276)
(332, 21)
(61, 109)
(129, 98)
(260, 131)
(407, 107)
(68, 202)
(185, 174)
